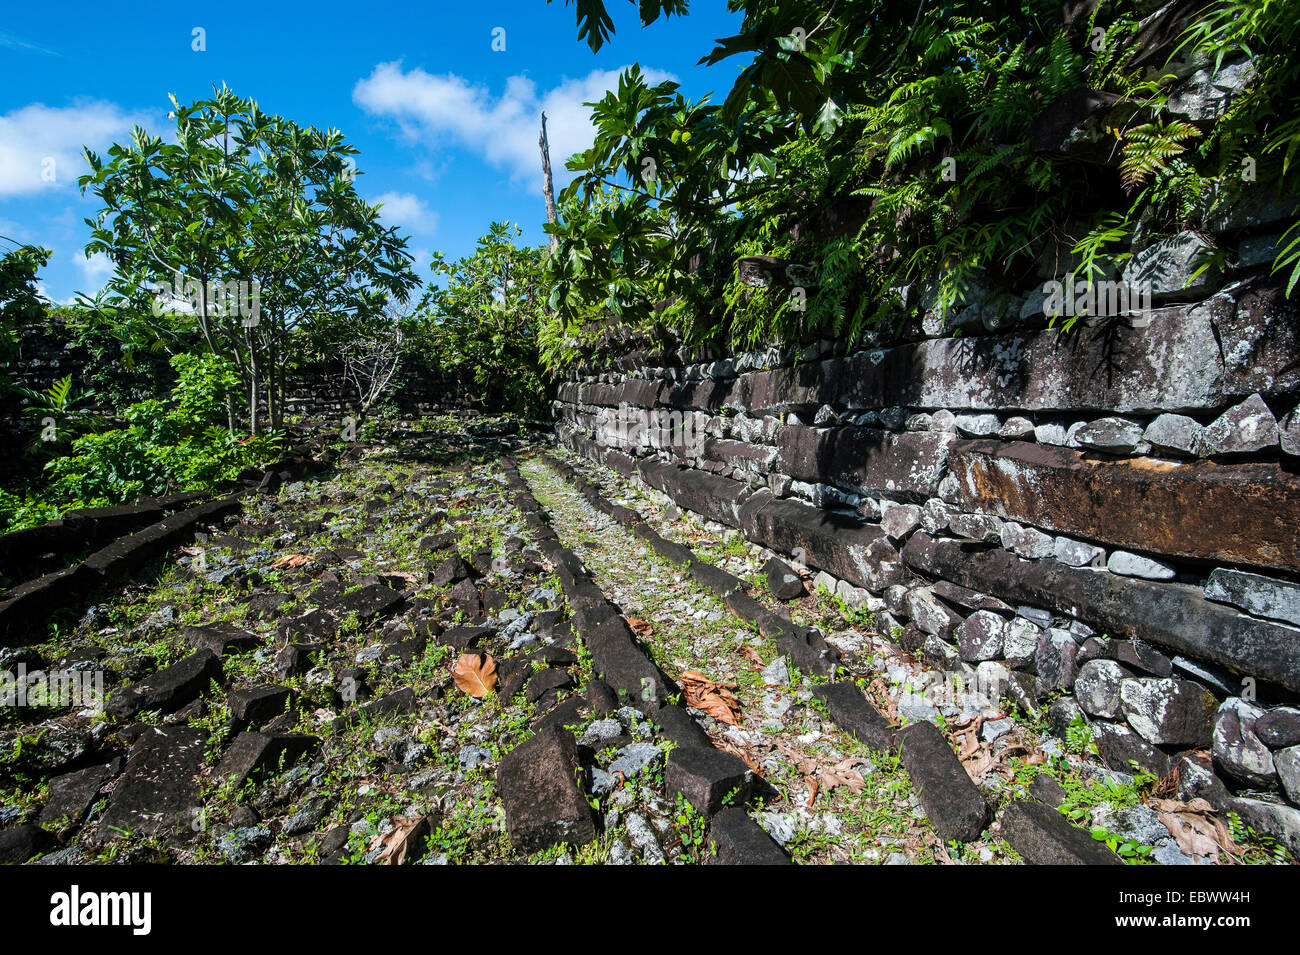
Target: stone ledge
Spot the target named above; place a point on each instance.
(1146, 504)
(1172, 616)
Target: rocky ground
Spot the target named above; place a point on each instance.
(401, 661)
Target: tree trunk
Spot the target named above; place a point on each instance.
(549, 186)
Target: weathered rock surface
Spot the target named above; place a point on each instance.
(1042, 836)
(1238, 751)
(1168, 712)
(952, 803)
(1141, 504)
(543, 803)
(1254, 593)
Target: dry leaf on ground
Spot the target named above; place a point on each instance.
(1196, 828)
(821, 773)
(397, 840)
(712, 697)
(292, 561)
(475, 674)
(752, 655)
(640, 627)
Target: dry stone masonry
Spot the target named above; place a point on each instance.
(1105, 520)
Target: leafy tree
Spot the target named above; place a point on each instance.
(880, 160)
(255, 224)
(20, 302)
(481, 324)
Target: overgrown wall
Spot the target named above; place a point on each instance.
(1008, 500)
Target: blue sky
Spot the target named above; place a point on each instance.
(447, 127)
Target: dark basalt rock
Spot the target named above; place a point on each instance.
(543, 803)
(169, 689)
(1042, 836)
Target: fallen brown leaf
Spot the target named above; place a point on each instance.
(1196, 828)
(752, 655)
(397, 840)
(292, 561)
(712, 697)
(476, 675)
(640, 627)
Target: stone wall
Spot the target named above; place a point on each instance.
(47, 353)
(1106, 520)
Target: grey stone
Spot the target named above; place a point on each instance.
(1275, 820)
(1016, 428)
(1078, 554)
(602, 783)
(1038, 617)
(1119, 748)
(600, 730)
(1051, 434)
(893, 418)
(936, 515)
(1289, 432)
(980, 636)
(1287, 763)
(899, 520)
(1242, 429)
(1206, 95)
(244, 845)
(776, 673)
(1279, 728)
(1027, 541)
(1174, 434)
(472, 757)
(1168, 266)
(1020, 643)
(1168, 711)
(1134, 565)
(634, 758)
(1111, 435)
(1055, 659)
(1255, 593)
(644, 839)
(993, 730)
(780, 826)
(307, 817)
(929, 614)
(1097, 688)
(1139, 823)
(977, 425)
(943, 420)
(1237, 750)
(980, 527)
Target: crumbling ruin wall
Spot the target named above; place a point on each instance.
(1105, 520)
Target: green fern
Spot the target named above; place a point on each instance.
(1148, 148)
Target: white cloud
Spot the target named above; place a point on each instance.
(40, 146)
(449, 110)
(95, 270)
(407, 210)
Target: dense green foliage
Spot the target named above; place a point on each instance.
(481, 324)
(242, 233)
(19, 300)
(888, 149)
(181, 443)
